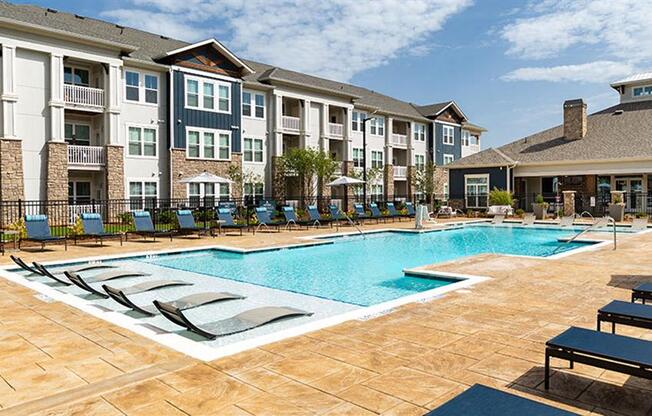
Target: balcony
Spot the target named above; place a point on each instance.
(83, 98)
(291, 123)
(85, 157)
(400, 172)
(399, 139)
(335, 130)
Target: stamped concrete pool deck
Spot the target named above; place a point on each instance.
(57, 360)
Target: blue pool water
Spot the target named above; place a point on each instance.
(367, 271)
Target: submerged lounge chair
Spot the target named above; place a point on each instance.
(145, 227)
(118, 294)
(498, 219)
(393, 213)
(187, 223)
(24, 265)
(639, 224)
(187, 302)
(227, 222)
(265, 220)
(94, 227)
(480, 400)
(528, 219)
(376, 214)
(241, 322)
(38, 230)
(632, 356)
(102, 277)
(642, 292)
(360, 213)
(567, 221)
(316, 218)
(625, 313)
(291, 217)
(75, 269)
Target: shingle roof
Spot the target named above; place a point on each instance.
(432, 109)
(623, 131)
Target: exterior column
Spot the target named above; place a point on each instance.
(115, 171)
(112, 101)
(388, 171)
(57, 113)
(347, 146)
(569, 202)
(304, 134)
(277, 180)
(11, 152)
(411, 170)
(9, 96)
(57, 149)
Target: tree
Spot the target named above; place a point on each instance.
(424, 180)
(240, 177)
(312, 166)
(373, 175)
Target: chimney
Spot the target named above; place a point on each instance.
(574, 119)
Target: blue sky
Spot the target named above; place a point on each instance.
(509, 64)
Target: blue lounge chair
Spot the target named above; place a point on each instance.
(411, 212)
(642, 292)
(481, 400)
(632, 356)
(94, 227)
(145, 227)
(187, 223)
(265, 219)
(38, 230)
(316, 218)
(227, 222)
(337, 215)
(393, 213)
(375, 212)
(625, 313)
(291, 217)
(360, 213)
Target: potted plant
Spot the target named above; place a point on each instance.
(540, 207)
(617, 208)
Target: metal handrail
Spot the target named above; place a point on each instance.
(591, 227)
(588, 213)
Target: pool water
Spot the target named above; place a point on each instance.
(366, 271)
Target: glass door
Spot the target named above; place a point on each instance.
(633, 192)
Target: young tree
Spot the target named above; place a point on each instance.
(373, 176)
(425, 180)
(240, 177)
(312, 166)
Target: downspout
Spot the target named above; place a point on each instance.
(171, 124)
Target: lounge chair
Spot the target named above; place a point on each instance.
(94, 228)
(625, 313)
(642, 292)
(411, 212)
(187, 223)
(24, 265)
(187, 302)
(316, 218)
(291, 218)
(227, 222)
(77, 280)
(567, 221)
(393, 212)
(141, 288)
(376, 214)
(360, 213)
(38, 230)
(480, 400)
(498, 219)
(528, 219)
(265, 220)
(639, 224)
(445, 211)
(241, 322)
(337, 215)
(632, 356)
(44, 271)
(145, 227)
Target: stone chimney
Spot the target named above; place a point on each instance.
(574, 119)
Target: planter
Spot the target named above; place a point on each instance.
(617, 211)
(540, 210)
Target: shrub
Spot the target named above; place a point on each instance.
(20, 227)
(126, 218)
(641, 215)
(539, 199)
(618, 199)
(500, 197)
(519, 212)
(77, 229)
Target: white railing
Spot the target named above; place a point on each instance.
(85, 155)
(400, 171)
(83, 96)
(291, 123)
(74, 211)
(399, 139)
(335, 129)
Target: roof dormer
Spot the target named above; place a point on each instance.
(636, 87)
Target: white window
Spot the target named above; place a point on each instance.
(466, 138)
(254, 190)
(476, 190)
(420, 162)
(76, 76)
(225, 191)
(420, 132)
(79, 192)
(253, 150)
(201, 194)
(448, 159)
(79, 134)
(142, 141)
(142, 194)
(642, 91)
(376, 159)
(246, 104)
(208, 144)
(358, 156)
(376, 192)
(253, 104)
(446, 191)
(475, 140)
(448, 134)
(357, 119)
(377, 126)
(141, 87)
(201, 95)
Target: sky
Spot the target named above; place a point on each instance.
(509, 64)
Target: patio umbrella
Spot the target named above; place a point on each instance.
(205, 177)
(346, 181)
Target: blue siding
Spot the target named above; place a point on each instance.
(497, 179)
(183, 117)
(441, 148)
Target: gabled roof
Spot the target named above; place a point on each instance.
(218, 46)
(623, 131)
(433, 110)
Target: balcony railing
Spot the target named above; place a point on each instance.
(85, 97)
(400, 172)
(85, 156)
(336, 129)
(291, 123)
(400, 139)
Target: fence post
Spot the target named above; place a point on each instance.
(20, 208)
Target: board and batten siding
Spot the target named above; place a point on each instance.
(184, 117)
(497, 178)
(440, 148)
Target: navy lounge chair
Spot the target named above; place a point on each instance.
(265, 219)
(642, 292)
(187, 223)
(479, 400)
(316, 218)
(82, 283)
(145, 227)
(291, 217)
(375, 212)
(227, 222)
(241, 322)
(625, 313)
(360, 213)
(393, 212)
(411, 212)
(94, 227)
(337, 215)
(632, 356)
(38, 230)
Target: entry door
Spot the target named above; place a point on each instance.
(633, 188)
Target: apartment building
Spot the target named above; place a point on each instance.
(95, 110)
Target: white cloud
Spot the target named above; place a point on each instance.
(598, 71)
(331, 38)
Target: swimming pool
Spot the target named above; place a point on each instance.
(366, 270)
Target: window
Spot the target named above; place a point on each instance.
(225, 192)
(200, 94)
(141, 87)
(466, 137)
(201, 194)
(79, 134)
(474, 140)
(254, 191)
(76, 76)
(260, 106)
(420, 132)
(446, 191)
(357, 119)
(358, 156)
(420, 162)
(642, 91)
(79, 192)
(192, 93)
(376, 192)
(142, 194)
(448, 134)
(225, 101)
(448, 159)
(476, 188)
(246, 104)
(209, 96)
(376, 159)
(253, 150)
(142, 141)
(208, 144)
(377, 126)
(255, 101)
